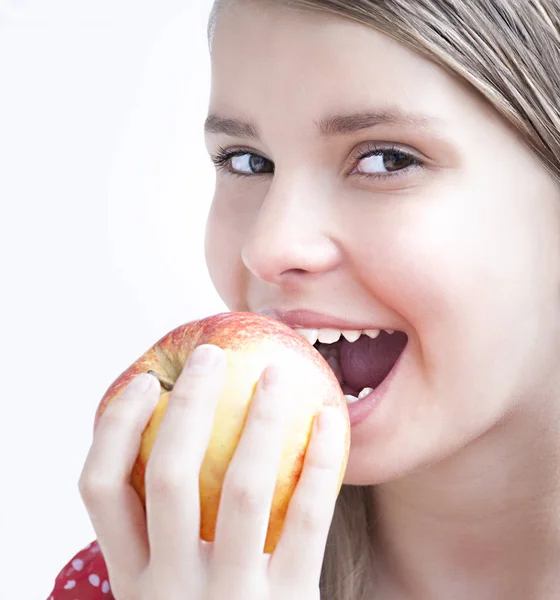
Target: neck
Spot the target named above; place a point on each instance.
(481, 524)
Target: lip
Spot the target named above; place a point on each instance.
(309, 319)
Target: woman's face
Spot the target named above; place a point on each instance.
(424, 215)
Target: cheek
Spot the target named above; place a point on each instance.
(223, 245)
(420, 263)
(427, 263)
(465, 270)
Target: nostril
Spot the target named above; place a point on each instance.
(294, 272)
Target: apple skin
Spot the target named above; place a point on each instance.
(251, 342)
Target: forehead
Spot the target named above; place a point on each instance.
(278, 61)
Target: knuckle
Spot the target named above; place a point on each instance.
(190, 401)
(323, 460)
(180, 397)
(245, 495)
(165, 480)
(116, 414)
(308, 516)
(266, 414)
(94, 485)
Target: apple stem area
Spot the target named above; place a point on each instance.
(165, 382)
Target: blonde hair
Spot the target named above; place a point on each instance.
(509, 51)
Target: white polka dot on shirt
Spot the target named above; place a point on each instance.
(78, 564)
(94, 580)
(105, 587)
(69, 584)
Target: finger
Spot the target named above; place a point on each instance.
(250, 480)
(114, 508)
(172, 472)
(298, 556)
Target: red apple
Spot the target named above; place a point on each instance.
(250, 342)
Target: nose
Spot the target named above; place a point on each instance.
(292, 236)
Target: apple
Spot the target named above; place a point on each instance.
(251, 342)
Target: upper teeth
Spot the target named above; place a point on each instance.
(330, 336)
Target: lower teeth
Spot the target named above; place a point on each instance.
(351, 399)
(331, 354)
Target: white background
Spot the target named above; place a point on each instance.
(104, 187)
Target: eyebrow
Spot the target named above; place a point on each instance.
(337, 125)
(231, 127)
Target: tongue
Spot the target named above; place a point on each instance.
(366, 362)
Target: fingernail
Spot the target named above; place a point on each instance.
(271, 377)
(141, 382)
(203, 356)
(328, 420)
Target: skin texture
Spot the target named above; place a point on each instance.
(461, 253)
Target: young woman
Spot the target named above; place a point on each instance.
(381, 165)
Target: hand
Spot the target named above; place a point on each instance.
(158, 553)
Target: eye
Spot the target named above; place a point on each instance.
(250, 164)
(381, 162)
(374, 161)
(242, 162)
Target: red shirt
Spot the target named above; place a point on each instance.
(84, 577)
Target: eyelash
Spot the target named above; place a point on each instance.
(222, 158)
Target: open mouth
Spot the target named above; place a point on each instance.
(361, 360)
